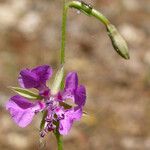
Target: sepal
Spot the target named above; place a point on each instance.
(26, 93)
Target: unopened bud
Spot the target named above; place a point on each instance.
(118, 41)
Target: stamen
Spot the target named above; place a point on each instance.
(62, 116)
(42, 133)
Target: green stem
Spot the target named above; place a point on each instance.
(62, 61)
(86, 10)
(43, 120)
(58, 137)
(63, 34)
(59, 140)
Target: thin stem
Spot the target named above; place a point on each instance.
(63, 34)
(58, 137)
(43, 120)
(88, 10)
(59, 140)
(62, 61)
(42, 144)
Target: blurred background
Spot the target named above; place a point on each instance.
(118, 102)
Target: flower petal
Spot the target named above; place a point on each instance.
(28, 79)
(65, 126)
(71, 81)
(69, 117)
(76, 113)
(70, 86)
(21, 110)
(80, 96)
(43, 72)
(36, 77)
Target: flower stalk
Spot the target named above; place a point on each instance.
(58, 116)
(120, 45)
(63, 33)
(88, 10)
(59, 141)
(58, 137)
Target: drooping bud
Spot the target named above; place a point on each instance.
(118, 41)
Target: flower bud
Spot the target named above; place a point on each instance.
(118, 41)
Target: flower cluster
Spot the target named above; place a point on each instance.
(57, 111)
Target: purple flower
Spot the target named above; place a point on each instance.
(74, 91)
(36, 77)
(23, 110)
(68, 117)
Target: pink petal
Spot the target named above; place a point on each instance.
(22, 111)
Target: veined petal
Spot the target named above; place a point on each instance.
(76, 113)
(28, 79)
(65, 126)
(80, 96)
(36, 77)
(71, 81)
(70, 116)
(22, 110)
(70, 86)
(43, 72)
(68, 95)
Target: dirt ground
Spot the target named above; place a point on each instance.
(118, 101)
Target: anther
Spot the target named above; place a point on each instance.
(42, 134)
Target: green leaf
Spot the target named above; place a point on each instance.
(26, 93)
